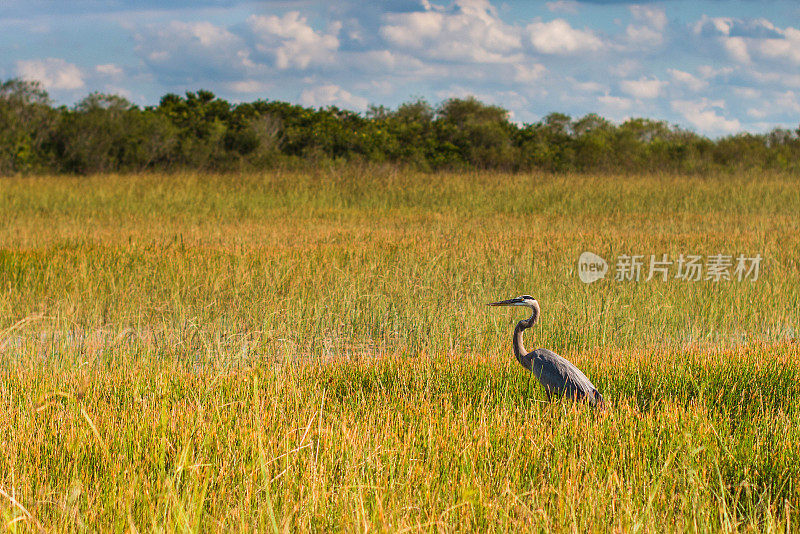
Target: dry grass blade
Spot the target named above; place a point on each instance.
(21, 508)
(96, 432)
(20, 324)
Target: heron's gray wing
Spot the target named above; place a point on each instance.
(559, 375)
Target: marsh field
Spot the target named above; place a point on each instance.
(293, 351)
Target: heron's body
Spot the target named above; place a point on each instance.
(556, 374)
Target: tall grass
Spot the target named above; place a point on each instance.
(313, 351)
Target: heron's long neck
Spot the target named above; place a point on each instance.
(519, 346)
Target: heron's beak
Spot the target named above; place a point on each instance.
(510, 302)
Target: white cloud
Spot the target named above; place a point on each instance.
(691, 81)
(721, 25)
(54, 73)
(785, 79)
(558, 37)
(787, 101)
(189, 51)
(649, 29)
(616, 108)
(701, 115)
(108, 69)
(470, 31)
(746, 92)
(249, 86)
(617, 103)
(332, 95)
(588, 87)
(157, 56)
(643, 35)
(528, 73)
(786, 48)
(782, 105)
(200, 35)
(410, 30)
(655, 17)
(564, 6)
(376, 86)
(737, 48)
(708, 72)
(291, 40)
(643, 87)
(395, 63)
(208, 34)
(624, 68)
(744, 39)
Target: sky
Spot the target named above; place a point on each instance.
(717, 67)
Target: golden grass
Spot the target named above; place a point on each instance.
(288, 352)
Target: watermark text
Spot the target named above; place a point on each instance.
(663, 267)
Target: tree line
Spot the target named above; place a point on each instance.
(107, 133)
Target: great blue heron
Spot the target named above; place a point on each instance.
(555, 373)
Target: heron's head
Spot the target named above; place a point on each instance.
(525, 300)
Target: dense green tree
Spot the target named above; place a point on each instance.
(408, 134)
(481, 135)
(594, 142)
(106, 133)
(26, 124)
(202, 121)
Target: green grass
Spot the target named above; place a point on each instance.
(295, 352)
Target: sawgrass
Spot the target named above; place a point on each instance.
(313, 352)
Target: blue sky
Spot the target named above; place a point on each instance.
(715, 66)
